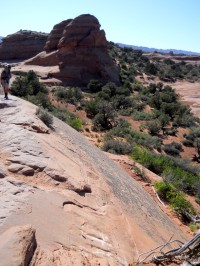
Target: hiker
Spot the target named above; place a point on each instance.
(5, 78)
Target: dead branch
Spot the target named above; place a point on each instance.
(188, 251)
(192, 218)
(158, 197)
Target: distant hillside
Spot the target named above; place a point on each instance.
(164, 51)
(1, 39)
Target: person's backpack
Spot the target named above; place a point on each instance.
(6, 75)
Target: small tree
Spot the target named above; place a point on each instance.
(106, 117)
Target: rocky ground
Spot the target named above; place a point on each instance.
(64, 202)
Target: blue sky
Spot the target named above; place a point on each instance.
(166, 24)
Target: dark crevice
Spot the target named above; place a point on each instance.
(86, 189)
(71, 203)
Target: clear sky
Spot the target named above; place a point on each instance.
(166, 24)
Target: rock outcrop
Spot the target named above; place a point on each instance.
(23, 44)
(86, 210)
(79, 46)
(17, 246)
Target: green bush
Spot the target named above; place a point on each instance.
(91, 108)
(178, 172)
(105, 119)
(176, 199)
(76, 123)
(94, 85)
(70, 95)
(27, 85)
(41, 100)
(124, 130)
(117, 147)
(153, 127)
(68, 118)
(173, 148)
(46, 118)
(138, 115)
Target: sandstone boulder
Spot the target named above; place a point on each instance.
(23, 44)
(79, 46)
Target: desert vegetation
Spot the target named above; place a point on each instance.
(157, 142)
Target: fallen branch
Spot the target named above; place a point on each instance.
(158, 196)
(192, 218)
(188, 251)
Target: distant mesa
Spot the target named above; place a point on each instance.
(23, 44)
(79, 47)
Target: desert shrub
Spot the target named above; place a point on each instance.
(170, 149)
(153, 162)
(46, 118)
(187, 120)
(181, 179)
(70, 118)
(153, 127)
(173, 148)
(91, 108)
(40, 99)
(70, 95)
(125, 112)
(60, 93)
(137, 87)
(193, 134)
(194, 227)
(151, 68)
(122, 102)
(117, 147)
(94, 85)
(138, 115)
(188, 143)
(19, 88)
(124, 130)
(176, 199)
(178, 172)
(27, 85)
(76, 123)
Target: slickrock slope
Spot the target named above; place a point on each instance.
(23, 44)
(82, 208)
(80, 49)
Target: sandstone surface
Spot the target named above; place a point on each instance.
(23, 44)
(79, 47)
(17, 246)
(86, 209)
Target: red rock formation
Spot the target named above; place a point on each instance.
(80, 49)
(55, 35)
(22, 45)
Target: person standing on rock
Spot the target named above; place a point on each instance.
(5, 78)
